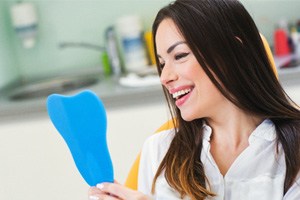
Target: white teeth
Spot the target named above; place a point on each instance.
(181, 92)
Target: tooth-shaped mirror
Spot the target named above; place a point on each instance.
(81, 121)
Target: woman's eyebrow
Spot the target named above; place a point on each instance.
(171, 48)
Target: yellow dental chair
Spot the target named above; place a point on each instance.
(132, 178)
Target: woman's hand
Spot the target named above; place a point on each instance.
(115, 191)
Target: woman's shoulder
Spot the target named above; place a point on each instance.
(157, 144)
(154, 149)
(161, 139)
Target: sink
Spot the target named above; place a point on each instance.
(43, 88)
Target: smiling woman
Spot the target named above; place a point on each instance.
(237, 133)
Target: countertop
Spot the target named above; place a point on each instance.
(113, 95)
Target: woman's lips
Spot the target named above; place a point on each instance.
(179, 102)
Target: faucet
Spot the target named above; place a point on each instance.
(105, 60)
(63, 45)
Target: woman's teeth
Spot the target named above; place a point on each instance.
(180, 93)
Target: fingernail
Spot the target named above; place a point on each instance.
(93, 198)
(100, 186)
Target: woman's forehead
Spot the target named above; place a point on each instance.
(167, 34)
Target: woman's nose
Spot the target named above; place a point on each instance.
(167, 75)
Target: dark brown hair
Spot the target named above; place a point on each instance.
(243, 74)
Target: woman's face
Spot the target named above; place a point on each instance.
(194, 93)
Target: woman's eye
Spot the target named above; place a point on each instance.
(181, 55)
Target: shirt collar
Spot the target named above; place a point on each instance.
(266, 131)
(207, 131)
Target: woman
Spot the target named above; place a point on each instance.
(238, 133)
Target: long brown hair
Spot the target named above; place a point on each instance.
(226, 43)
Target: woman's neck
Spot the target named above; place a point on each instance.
(230, 133)
(233, 126)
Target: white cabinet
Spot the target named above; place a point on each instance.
(36, 163)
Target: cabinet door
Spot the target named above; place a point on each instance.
(35, 163)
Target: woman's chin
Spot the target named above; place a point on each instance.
(187, 118)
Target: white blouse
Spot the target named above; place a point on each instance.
(258, 173)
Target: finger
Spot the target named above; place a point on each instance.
(94, 193)
(104, 196)
(93, 197)
(94, 190)
(115, 190)
(110, 197)
(121, 191)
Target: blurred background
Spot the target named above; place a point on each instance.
(65, 46)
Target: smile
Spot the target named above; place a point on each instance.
(181, 93)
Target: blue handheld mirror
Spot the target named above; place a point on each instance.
(81, 121)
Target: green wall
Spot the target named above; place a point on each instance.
(85, 21)
(8, 69)
(65, 21)
(266, 13)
